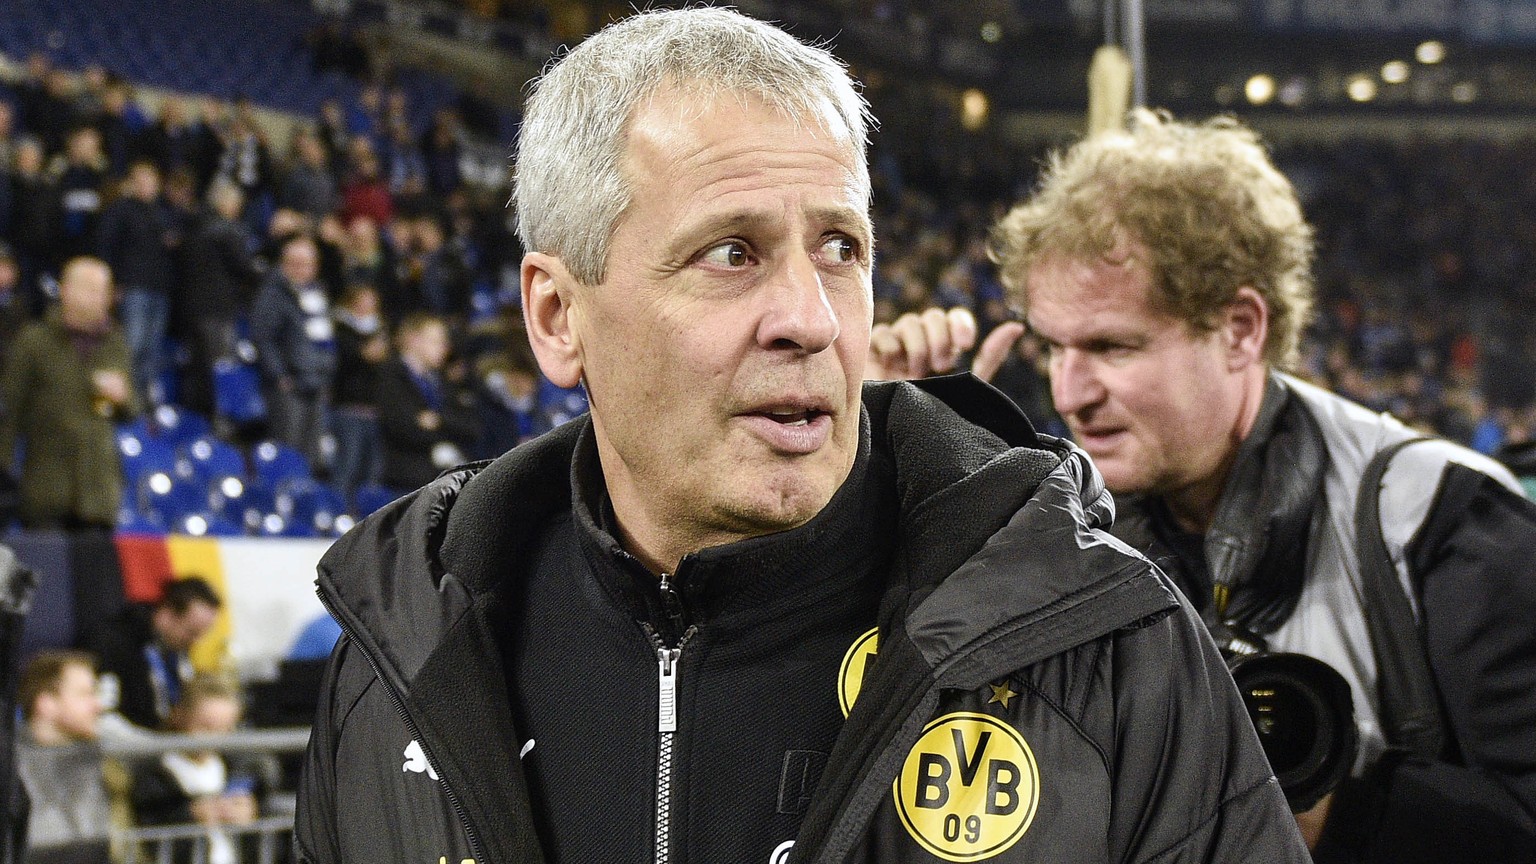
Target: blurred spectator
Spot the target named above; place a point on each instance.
(243, 159)
(220, 278)
(405, 168)
(506, 396)
(80, 184)
(200, 787)
(32, 92)
(365, 193)
(362, 347)
(54, 116)
(66, 381)
(143, 651)
(309, 187)
(13, 306)
(365, 117)
(438, 280)
(366, 257)
(333, 134)
(7, 157)
(120, 123)
(295, 347)
(136, 239)
(37, 220)
(172, 142)
(59, 760)
(441, 148)
(426, 421)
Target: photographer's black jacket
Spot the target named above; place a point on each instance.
(1038, 693)
(1462, 540)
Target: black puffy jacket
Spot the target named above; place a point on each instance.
(1040, 692)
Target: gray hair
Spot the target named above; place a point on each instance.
(569, 187)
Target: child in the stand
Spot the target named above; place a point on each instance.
(199, 786)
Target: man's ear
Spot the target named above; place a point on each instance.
(548, 292)
(1244, 327)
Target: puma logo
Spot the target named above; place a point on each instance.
(416, 760)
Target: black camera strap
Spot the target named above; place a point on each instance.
(1410, 702)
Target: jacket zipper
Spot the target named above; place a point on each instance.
(667, 668)
(410, 725)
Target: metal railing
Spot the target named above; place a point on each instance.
(270, 831)
(258, 842)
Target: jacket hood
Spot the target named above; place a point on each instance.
(409, 574)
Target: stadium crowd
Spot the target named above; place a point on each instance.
(192, 206)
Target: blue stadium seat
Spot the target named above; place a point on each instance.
(169, 497)
(237, 392)
(255, 503)
(272, 462)
(142, 453)
(131, 521)
(179, 425)
(205, 524)
(367, 499)
(308, 502)
(210, 457)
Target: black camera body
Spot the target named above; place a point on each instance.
(1302, 709)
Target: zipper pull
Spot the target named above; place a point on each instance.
(666, 661)
(672, 604)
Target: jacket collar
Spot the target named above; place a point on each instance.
(749, 574)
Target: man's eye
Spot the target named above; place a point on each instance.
(841, 249)
(730, 254)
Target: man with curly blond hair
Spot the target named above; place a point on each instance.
(1168, 270)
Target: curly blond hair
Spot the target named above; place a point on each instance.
(1206, 202)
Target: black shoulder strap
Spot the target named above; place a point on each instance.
(1410, 704)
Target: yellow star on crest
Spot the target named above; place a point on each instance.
(1001, 693)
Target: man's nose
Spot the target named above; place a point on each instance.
(800, 313)
(1075, 384)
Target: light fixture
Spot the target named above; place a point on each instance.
(1394, 72)
(1463, 92)
(991, 32)
(1361, 88)
(1293, 92)
(973, 109)
(1259, 89)
(1430, 53)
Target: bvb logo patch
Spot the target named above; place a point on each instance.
(850, 676)
(968, 788)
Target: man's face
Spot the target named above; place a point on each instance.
(300, 263)
(74, 707)
(85, 293)
(428, 345)
(1153, 402)
(144, 182)
(178, 632)
(213, 716)
(723, 351)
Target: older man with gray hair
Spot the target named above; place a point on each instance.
(749, 610)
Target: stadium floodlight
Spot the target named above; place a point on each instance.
(974, 109)
(1361, 88)
(1259, 89)
(1430, 53)
(1394, 72)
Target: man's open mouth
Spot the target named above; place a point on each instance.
(791, 416)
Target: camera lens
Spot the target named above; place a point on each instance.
(1302, 709)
